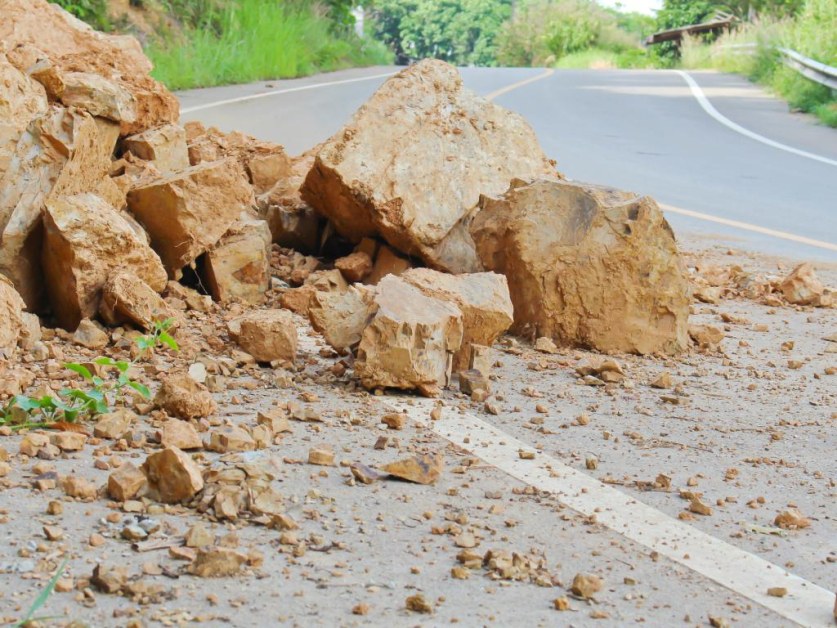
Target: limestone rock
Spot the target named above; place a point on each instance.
(165, 147)
(21, 101)
(421, 469)
(706, 336)
(231, 439)
(85, 242)
(802, 287)
(38, 29)
(587, 265)
(128, 299)
(410, 342)
(183, 397)
(172, 476)
(114, 425)
(180, 434)
(63, 152)
(79, 488)
(217, 562)
(98, 96)
(341, 317)
(11, 316)
(127, 482)
(355, 267)
(186, 213)
(238, 267)
(483, 299)
(412, 163)
(267, 335)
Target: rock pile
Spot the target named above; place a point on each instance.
(438, 220)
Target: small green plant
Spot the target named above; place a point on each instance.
(43, 596)
(102, 393)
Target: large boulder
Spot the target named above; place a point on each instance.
(85, 242)
(410, 342)
(483, 299)
(37, 29)
(587, 266)
(412, 163)
(21, 101)
(62, 152)
(341, 316)
(186, 213)
(11, 317)
(238, 267)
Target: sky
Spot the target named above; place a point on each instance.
(641, 6)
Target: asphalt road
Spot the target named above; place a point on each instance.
(640, 130)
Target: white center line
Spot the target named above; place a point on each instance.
(707, 106)
(806, 604)
(277, 92)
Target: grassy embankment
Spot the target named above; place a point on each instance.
(201, 43)
(812, 33)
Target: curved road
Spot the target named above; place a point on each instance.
(640, 130)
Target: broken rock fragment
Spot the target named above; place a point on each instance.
(11, 316)
(267, 335)
(183, 397)
(217, 562)
(341, 317)
(180, 434)
(421, 469)
(413, 161)
(98, 96)
(128, 299)
(410, 342)
(802, 287)
(238, 266)
(172, 476)
(187, 212)
(483, 299)
(85, 242)
(587, 265)
(127, 482)
(165, 147)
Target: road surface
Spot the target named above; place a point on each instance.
(640, 130)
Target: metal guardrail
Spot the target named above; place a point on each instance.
(809, 68)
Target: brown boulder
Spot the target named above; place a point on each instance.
(183, 397)
(63, 152)
(47, 31)
(172, 476)
(128, 299)
(267, 335)
(21, 101)
(342, 316)
(412, 163)
(238, 267)
(587, 265)
(410, 342)
(86, 241)
(11, 316)
(186, 213)
(165, 147)
(98, 96)
(483, 299)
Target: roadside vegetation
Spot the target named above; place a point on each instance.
(807, 27)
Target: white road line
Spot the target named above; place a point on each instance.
(703, 101)
(806, 604)
(277, 92)
(784, 235)
(519, 84)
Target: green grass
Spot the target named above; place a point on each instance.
(256, 40)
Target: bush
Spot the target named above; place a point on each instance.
(94, 12)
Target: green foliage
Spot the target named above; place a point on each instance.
(462, 32)
(250, 40)
(543, 31)
(101, 394)
(94, 12)
(42, 598)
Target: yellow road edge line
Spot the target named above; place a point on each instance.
(784, 235)
(518, 85)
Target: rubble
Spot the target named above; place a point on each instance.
(128, 299)
(410, 342)
(588, 266)
(267, 335)
(172, 476)
(86, 241)
(237, 267)
(127, 482)
(413, 161)
(183, 397)
(217, 562)
(801, 287)
(423, 469)
(180, 434)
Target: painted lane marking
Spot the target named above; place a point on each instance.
(518, 85)
(278, 92)
(707, 106)
(784, 235)
(806, 604)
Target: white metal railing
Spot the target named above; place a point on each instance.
(809, 68)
